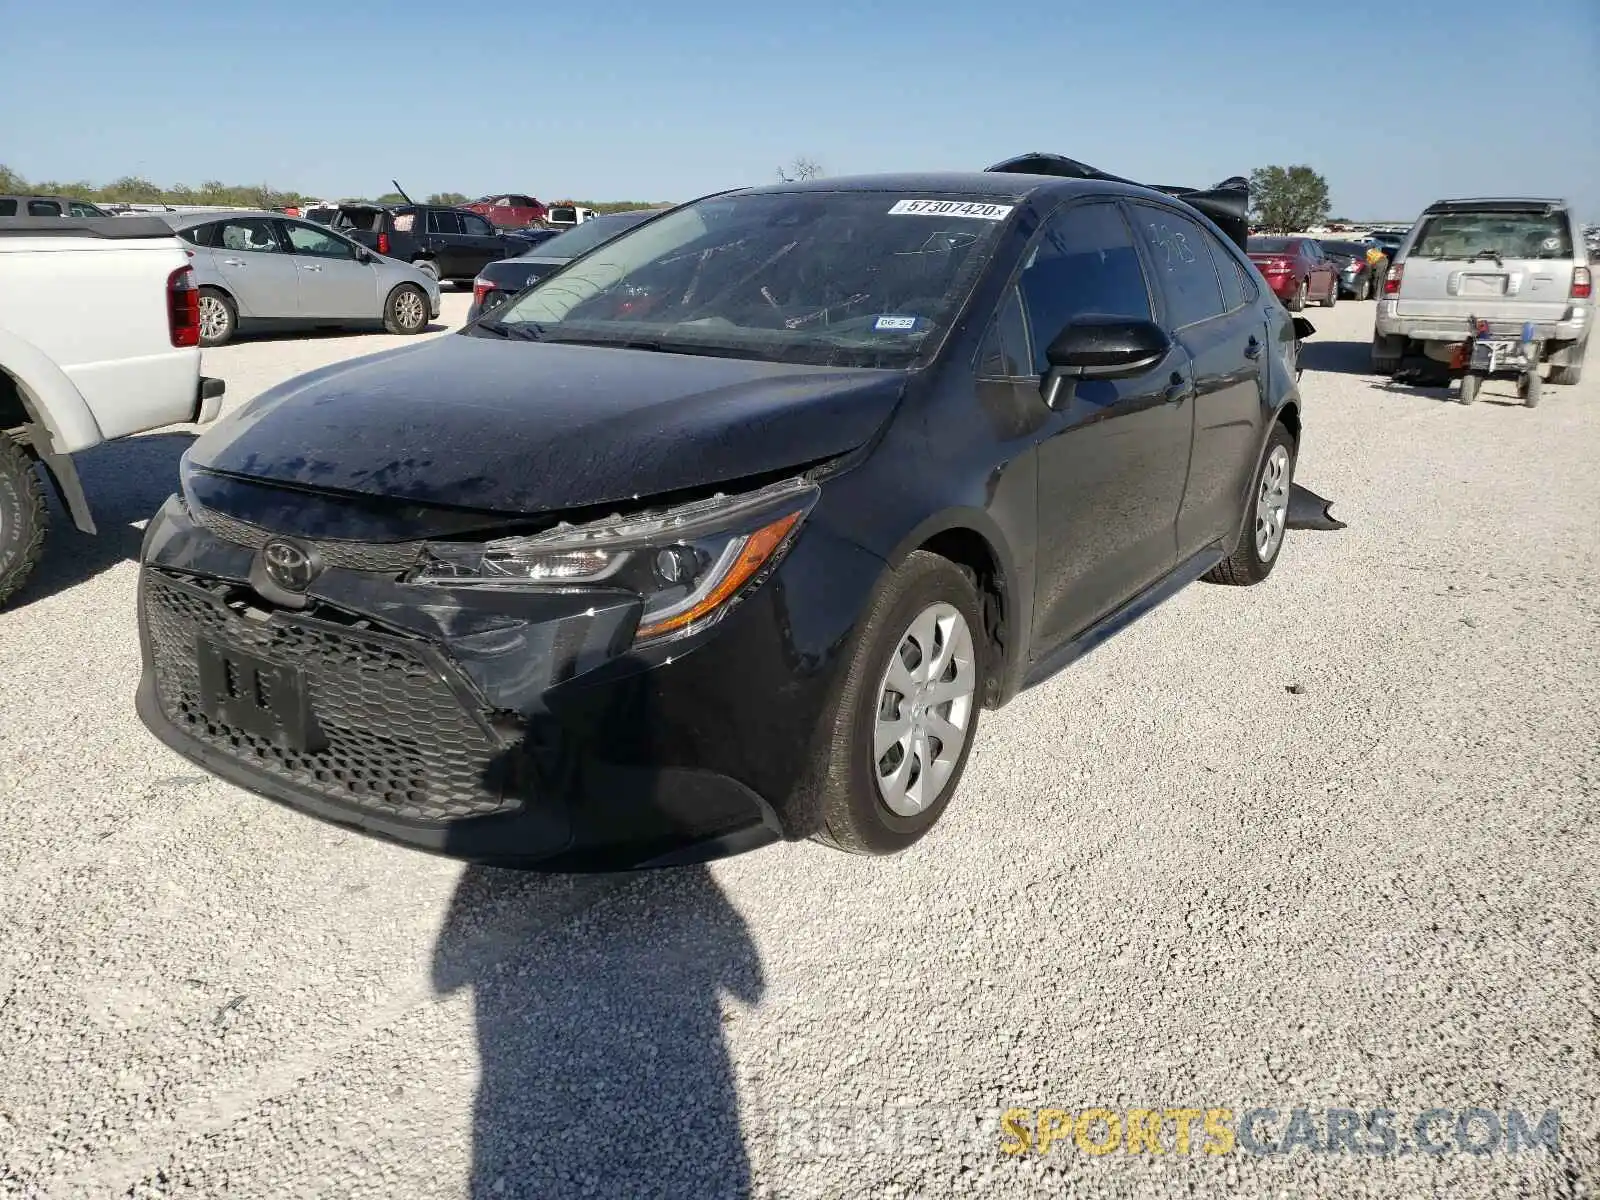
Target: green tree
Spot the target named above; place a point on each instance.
(1288, 199)
(10, 181)
(448, 198)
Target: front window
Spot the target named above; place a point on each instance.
(318, 243)
(1531, 234)
(43, 208)
(839, 278)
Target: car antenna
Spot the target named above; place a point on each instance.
(402, 191)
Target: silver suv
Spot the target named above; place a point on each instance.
(1507, 262)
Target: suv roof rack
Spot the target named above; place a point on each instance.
(1226, 203)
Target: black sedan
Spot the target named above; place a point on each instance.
(733, 535)
(499, 281)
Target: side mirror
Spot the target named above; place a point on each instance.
(363, 255)
(1096, 347)
(1303, 329)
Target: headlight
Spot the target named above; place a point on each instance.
(686, 563)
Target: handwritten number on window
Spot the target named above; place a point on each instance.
(1173, 244)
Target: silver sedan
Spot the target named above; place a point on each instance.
(262, 270)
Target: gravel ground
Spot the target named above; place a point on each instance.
(1168, 881)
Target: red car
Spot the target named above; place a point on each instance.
(1296, 270)
(509, 210)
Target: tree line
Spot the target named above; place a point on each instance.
(130, 189)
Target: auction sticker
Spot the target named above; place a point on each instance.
(950, 208)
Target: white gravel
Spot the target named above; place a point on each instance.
(1166, 881)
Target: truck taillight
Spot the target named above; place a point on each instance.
(1582, 283)
(183, 307)
(383, 243)
(1391, 281)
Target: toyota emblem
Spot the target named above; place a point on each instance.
(288, 565)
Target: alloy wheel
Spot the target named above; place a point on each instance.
(409, 310)
(213, 318)
(1272, 504)
(925, 710)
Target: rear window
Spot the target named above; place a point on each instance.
(43, 208)
(1506, 234)
(1261, 245)
(8, 208)
(369, 220)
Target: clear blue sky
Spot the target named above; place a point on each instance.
(625, 99)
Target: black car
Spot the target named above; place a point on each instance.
(729, 534)
(530, 236)
(451, 244)
(1359, 277)
(499, 281)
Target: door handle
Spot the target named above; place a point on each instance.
(1252, 348)
(309, 267)
(233, 262)
(1179, 390)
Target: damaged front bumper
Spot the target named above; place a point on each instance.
(507, 726)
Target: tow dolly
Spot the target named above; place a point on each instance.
(1483, 356)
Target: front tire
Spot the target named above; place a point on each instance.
(1265, 523)
(406, 311)
(23, 517)
(1333, 295)
(907, 712)
(1469, 388)
(219, 319)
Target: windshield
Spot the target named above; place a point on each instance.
(1261, 245)
(588, 235)
(1493, 235)
(837, 278)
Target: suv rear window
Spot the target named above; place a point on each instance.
(8, 208)
(1506, 234)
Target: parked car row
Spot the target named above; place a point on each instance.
(263, 271)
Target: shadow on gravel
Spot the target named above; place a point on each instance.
(1346, 358)
(125, 481)
(330, 333)
(599, 1022)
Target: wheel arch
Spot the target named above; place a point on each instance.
(971, 539)
(48, 420)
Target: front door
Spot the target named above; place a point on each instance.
(1113, 460)
(333, 284)
(480, 244)
(249, 254)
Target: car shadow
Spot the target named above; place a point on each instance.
(1345, 358)
(599, 1010)
(330, 333)
(125, 481)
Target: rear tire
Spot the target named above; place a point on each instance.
(1566, 376)
(1386, 355)
(23, 517)
(1250, 562)
(219, 319)
(428, 267)
(845, 769)
(1298, 300)
(406, 310)
(1469, 388)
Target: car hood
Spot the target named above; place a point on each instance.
(528, 428)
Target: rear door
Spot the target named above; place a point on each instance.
(1212, 305)
(256, 267)
(332, 283)
(1498, 263)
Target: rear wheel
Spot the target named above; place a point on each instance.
(406, 310)
(1265, 523)
(219, 319)
(1386, 354)
(428, 267)
(1298, 300)
(23, 517)
(907, 711)
(1568, 375)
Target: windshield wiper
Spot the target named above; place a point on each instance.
(524, 331)
(1494, 254)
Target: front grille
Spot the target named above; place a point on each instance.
(349, 556)
(400, 740)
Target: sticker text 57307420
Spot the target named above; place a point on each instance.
(950, 208)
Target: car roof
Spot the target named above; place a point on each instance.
(1491, 203)
(189, 220)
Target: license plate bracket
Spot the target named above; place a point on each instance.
(258, 697)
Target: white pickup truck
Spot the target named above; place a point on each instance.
(99, 339)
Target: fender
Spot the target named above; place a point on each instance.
(59, 421)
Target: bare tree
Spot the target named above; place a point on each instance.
(800, 169)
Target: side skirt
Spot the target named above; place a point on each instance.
(1114, 622)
